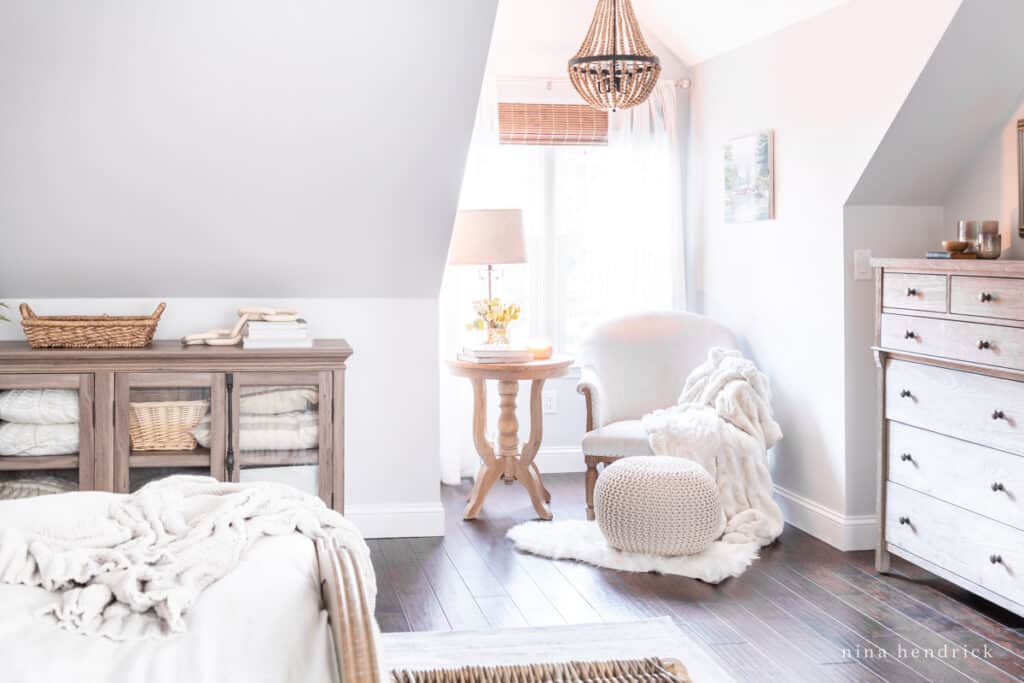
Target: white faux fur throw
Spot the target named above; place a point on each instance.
(135, 572)
(579, 540)
(723, 421)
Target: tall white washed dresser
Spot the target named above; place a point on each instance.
(949, 345)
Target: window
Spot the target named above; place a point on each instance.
(602, 210)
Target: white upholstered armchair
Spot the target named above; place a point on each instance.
(631, 366)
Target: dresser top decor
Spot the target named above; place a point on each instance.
(89, 331)
(949, 346)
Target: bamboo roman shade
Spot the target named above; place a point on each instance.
(551, 124)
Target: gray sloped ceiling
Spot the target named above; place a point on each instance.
(970, 86)
(234, 148)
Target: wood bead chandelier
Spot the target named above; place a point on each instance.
(614, 68)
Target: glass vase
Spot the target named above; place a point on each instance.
(497, 336)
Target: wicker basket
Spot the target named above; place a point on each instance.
(89, 331)
(164, 425)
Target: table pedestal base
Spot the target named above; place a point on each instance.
(509, 463)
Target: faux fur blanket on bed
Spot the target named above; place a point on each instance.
(135, 572)
(723, 421)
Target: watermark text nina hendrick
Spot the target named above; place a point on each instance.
(948, 651)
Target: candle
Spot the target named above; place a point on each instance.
(539, 349)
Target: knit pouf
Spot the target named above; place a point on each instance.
(658, 505)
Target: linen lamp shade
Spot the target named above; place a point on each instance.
(487, 237)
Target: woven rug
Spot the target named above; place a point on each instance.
(583, 541)
(549, 644)
(616, 671)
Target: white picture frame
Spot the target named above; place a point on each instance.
(749, 178)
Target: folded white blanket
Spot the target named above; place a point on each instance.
(39, 406)
(38, 439)
(135, 571)
(723, 421)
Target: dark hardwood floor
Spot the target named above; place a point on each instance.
(803, 612)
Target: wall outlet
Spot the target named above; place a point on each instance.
(862, 264)
(549, 402)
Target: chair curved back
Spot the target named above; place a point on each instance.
(643, 360)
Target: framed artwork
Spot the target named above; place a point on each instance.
(750, 178)
(1020, 177)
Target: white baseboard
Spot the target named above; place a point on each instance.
(398, 520)
(845, 532)
(560, 459)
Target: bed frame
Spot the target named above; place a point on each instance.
(354, 634)
(353, 629)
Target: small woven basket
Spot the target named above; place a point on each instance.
(89, 331)
(164, 425)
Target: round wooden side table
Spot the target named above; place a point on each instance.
(509, 462)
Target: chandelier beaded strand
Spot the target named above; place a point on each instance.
(614, 68)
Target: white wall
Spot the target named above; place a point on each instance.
(829, 87)
(391, 414)
(986, 187)
(889, 231)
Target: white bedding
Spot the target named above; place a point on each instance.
(263, 622)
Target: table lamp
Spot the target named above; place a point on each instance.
(488, 237)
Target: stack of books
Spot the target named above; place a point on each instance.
(277, 335)
(950, 255)
(496, 353)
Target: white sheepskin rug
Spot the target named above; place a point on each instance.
(583, 541)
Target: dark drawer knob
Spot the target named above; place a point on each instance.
(906, 457)
(904, 393)
(911, 291)
(998, 486)
(909, 334)
(984, 344)
(904, 520)
(995, 559)
(998, 415)
(985, 297)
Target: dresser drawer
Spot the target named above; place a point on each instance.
(971, 342)
(975, 408)
(993, 297)
(914, 292)
(984, 480)
(957, 540)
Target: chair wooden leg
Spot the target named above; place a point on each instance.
(591, 482)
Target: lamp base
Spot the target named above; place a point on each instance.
(492, 274)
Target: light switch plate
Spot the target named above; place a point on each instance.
(549, 402)
(862, 264)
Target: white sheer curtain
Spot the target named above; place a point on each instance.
(604, 232)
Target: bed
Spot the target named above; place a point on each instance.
(291, 610)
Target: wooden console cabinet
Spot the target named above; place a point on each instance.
(109, 380)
